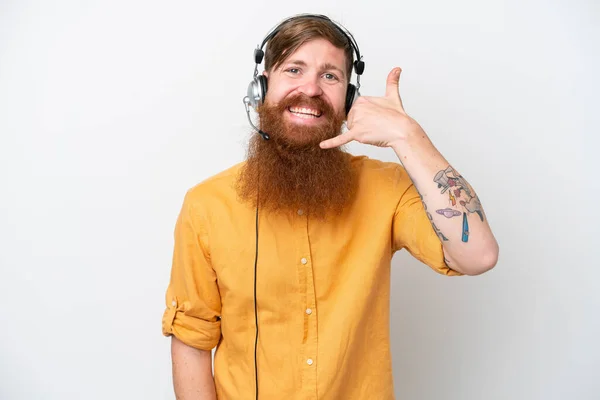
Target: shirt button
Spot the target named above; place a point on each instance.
(308, 311)
(173, 303)
(309, 361)
(300, 212)
(303, 260)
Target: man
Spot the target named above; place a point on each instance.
(283, 261)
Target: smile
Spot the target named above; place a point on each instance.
(304, 112)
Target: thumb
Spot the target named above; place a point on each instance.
(391, 87)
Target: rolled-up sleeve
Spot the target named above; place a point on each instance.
(412, 229)
(193, 302)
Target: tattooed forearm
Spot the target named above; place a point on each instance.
(459, 192)
(449, 202)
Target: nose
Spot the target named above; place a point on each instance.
(311, 88)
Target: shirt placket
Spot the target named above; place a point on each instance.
(309, 361)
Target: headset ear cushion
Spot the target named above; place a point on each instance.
(262, 87)
(350, 97)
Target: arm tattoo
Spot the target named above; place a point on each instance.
(459, 192)
(435, 228)
(437, 231)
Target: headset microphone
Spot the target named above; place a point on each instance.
(262, 133)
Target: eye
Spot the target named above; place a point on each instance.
(331, 77)
(293, 70)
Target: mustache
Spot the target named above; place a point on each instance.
(302, 100)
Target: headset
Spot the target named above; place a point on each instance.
(257, 89)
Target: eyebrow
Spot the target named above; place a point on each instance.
(326, 66)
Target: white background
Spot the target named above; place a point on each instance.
(110, 111)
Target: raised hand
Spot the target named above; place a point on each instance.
(378, 121)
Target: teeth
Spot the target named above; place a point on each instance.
(303, 110)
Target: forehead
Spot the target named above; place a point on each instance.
(319, 51)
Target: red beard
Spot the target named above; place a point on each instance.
(290, 171)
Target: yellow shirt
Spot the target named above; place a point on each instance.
(323, 288)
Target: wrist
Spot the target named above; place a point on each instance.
(409, 139)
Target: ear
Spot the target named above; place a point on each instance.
(266, 74)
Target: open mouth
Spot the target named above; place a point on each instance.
(305, 112)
